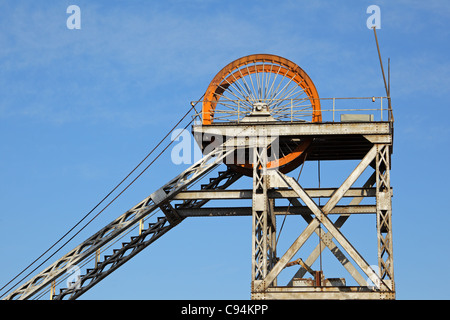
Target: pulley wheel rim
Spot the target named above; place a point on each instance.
(263, 78)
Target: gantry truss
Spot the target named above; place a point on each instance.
(368, 142)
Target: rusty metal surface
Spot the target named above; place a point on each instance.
(228, 78)
(259, 63)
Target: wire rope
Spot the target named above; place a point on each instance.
(289, 205)
(98, 204)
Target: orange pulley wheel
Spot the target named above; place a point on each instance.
(268, 85)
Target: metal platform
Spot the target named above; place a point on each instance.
(330, 141)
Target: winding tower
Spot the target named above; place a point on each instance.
(268, 109)
(262, 118)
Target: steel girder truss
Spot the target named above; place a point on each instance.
(268, 185)
(160, 199)
(384, 213)
(383, 288)
(263, 219)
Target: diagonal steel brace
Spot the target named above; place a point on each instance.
(321, 217)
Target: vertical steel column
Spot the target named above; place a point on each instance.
(384, 214)
(263, 218)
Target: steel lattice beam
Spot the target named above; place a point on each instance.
(384, 229)
(378, 156)
(89, 247)
(177, 202)
(140, 242)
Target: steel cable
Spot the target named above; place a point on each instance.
(97, 205)
(289, 204)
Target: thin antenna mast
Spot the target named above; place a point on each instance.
(381, 61)
(387, 85)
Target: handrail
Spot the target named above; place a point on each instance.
(237, 109)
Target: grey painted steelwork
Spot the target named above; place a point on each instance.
(299, 129)
(370, 143)
(116, 228)
(263, 219)
(273, 193)
(295, 209)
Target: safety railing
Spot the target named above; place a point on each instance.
(337, 109)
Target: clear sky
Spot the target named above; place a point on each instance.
(80, 108)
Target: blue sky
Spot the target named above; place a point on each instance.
(80, 108)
